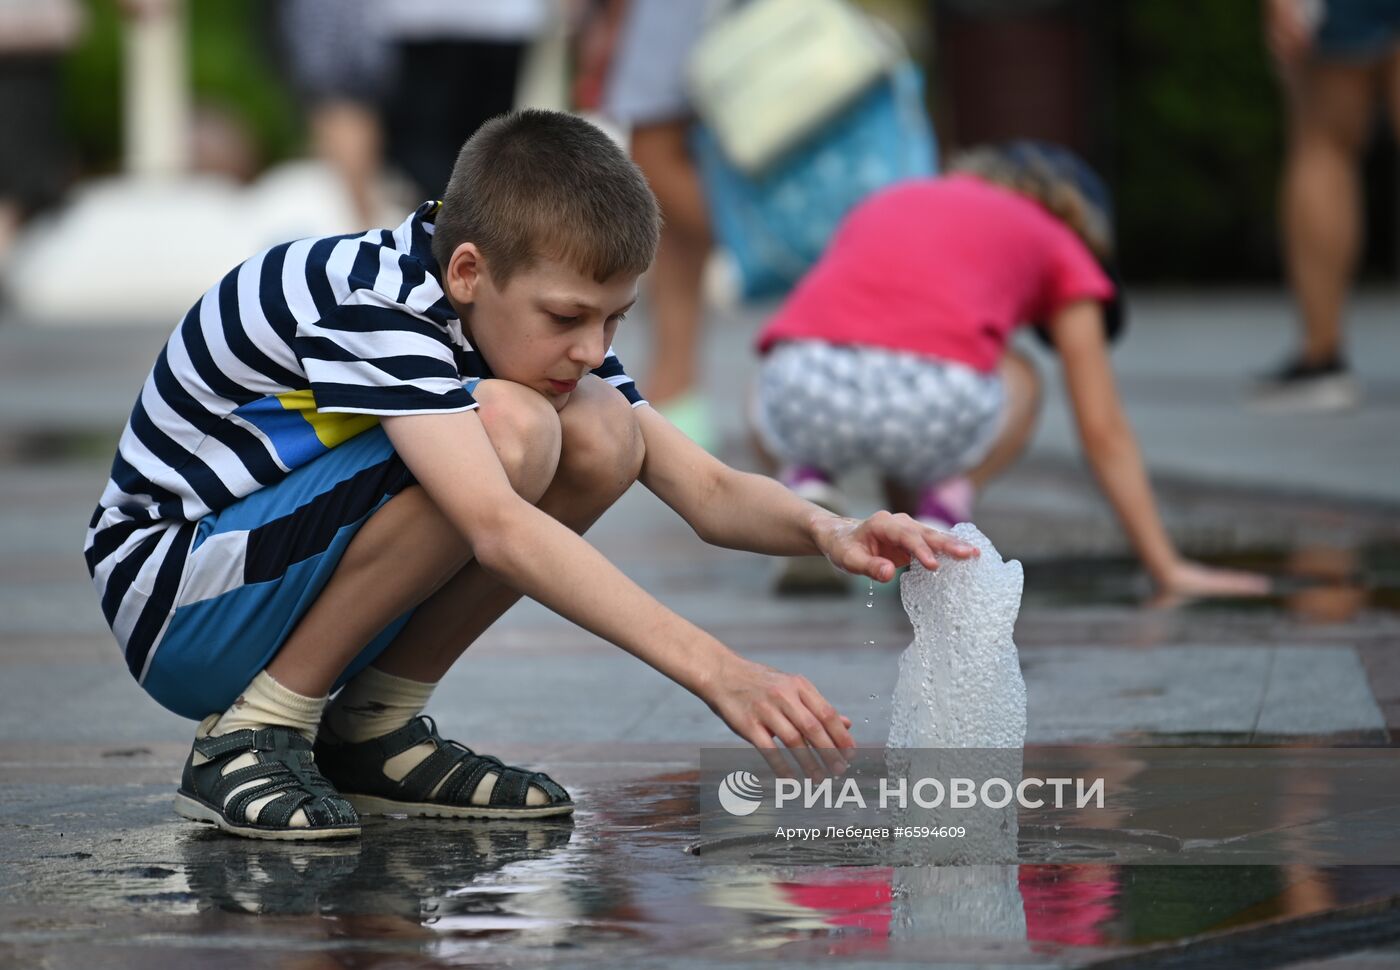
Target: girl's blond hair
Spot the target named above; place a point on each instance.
(1035, 178)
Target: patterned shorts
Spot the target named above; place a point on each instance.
(914, 419)
(256, 567)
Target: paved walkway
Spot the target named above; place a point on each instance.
(89, 761)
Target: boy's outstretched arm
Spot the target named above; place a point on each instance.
(738, 510)
(1113, 453)
(454, 461)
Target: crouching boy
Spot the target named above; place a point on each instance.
(355, 453)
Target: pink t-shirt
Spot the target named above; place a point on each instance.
(945, 267)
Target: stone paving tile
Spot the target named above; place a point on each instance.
(79, 737)
(1088, 693)
(1075, 694)
(1317, 692)
(1378, 959)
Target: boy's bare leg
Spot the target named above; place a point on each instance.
(1330, 109)
(348, 138)
(600, 458)
(407, 549)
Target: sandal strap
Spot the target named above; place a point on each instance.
(248, 739)
(237, 807)
(460, 788)
(550, 787)
(320, 810)
(450, 775)
(511, 789)
(412, 734)
(285, 768)
(430, 772)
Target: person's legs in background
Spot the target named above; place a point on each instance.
(340, 67)
(346, 135)
(35, 162)
(428, 117)
(1330, 109)
(662, 153)
(1332, 84)
(646, 93)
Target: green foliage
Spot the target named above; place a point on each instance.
(92, 89)
(1198, 134)
(233, 67)
(230, 67)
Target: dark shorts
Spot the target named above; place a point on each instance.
(1357, 30)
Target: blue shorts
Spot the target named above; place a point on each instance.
(1357, 30)
(255, 567)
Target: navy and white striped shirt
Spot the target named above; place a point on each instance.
(293, 352)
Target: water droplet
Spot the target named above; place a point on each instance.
(872, 697)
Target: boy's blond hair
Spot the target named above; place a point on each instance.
(1037, 178)
(533, 184)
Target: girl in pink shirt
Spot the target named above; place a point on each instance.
(893, 352)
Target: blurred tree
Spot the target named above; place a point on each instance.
(1197, 130)
(1174, 100)
(1198, 126)
(231, 69)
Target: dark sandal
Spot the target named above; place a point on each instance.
(441, 786)
(284, 765)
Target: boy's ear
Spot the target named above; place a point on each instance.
(464, 271)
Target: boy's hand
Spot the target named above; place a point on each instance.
(879, 545)
(760, 703)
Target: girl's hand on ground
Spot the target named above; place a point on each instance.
(884, 542)
(760, 703)
(1187, 578)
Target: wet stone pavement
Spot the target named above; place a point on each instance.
(96, 869)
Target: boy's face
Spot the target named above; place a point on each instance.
(547, 328)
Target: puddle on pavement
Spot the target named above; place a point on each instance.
(1318, 584)
(617, 881)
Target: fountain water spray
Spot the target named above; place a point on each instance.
(960, 682)
(960, 687)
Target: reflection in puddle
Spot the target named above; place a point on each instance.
(424, 871)
(1073, 905)
(1316, 584)
(617, 881)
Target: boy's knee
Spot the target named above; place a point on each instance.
(602, 449)
(524, 429)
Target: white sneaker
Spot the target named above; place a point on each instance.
(1298, 388)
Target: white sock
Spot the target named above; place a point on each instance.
(374, 704)
(265, 703)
